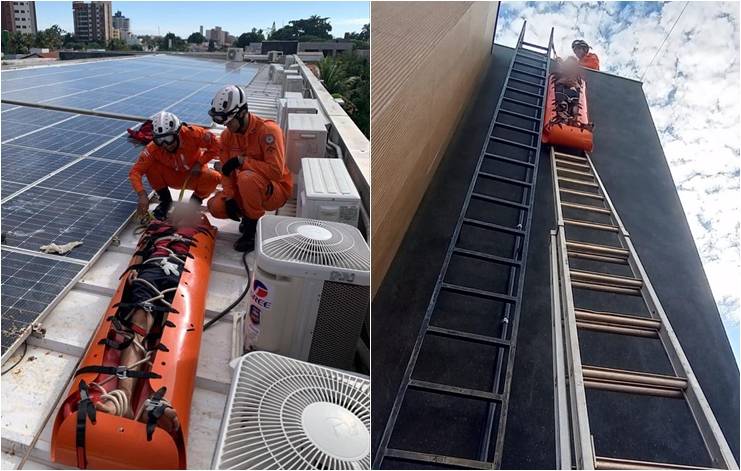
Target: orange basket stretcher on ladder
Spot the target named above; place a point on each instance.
(575, 132)
(86, 438)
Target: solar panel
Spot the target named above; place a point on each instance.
(122, 149)
(8, 188)
(39, 216)
(34, 116)
(63, 140)
(95, 177)
(29, 284)
(11, 129)
(26, 165)
(96, 125)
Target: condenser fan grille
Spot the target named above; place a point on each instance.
(315, 242)
(288, 414)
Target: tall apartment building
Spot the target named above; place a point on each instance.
(217, 35)
(93, 21)
(121, 23)
(19, 16)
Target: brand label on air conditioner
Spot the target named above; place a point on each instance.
(261, 295)
(342, 277)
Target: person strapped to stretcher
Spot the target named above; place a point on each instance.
(141, 317)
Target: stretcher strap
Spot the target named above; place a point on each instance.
(155, 407)
(85, 410)
(122, 372)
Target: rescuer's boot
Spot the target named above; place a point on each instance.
(160, 212)
(246, 243)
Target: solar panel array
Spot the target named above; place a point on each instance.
(65, 175)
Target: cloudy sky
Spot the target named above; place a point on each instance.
(693, 92)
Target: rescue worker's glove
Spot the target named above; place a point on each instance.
(231, 165)
(232, 209)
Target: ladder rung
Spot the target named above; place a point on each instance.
(534, 45)
(530, 65)
(458, 334)
(573, 164)
(613, 280)
(585, 207)
(537, 57)
(617, 323)
(605, 288)
(509, 160)
(524, 92)
(598, 249)
(525, 72)
(611, 379)
(449, 461)
(597, 258)
(523, 103)
(454, 390)
(601, 462)
(585, 194)
(574, 172)
(576, 158)
(486, 256)
(513, 143)
(578, 182)
(519, 115)
(591, 225)
(479, 293)
(525, 82)
(493, 227)
(502, 201)
(500, 178)
(517, 128)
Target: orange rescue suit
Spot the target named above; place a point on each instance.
(590, 61)
(263, 182)
(171, 169)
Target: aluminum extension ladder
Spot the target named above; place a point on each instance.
(575, 176)
(514, 142)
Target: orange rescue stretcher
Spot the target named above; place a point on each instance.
(577, 134)
(85, 438)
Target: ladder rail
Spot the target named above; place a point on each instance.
(712, 436)
(715, 441)
(529, 191)
(582, 438)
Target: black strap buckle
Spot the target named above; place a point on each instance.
(121, 372)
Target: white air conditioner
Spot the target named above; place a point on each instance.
(277, 74)
(274, 56)
(293, 95)
(290, 72)
(326, 192)
(290, 60)
(235, 54)
(293, 83)
(309, 291)
(306, 136)
(287, 414)
(292, 105)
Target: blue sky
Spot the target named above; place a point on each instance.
(692, 88)
(183, 18)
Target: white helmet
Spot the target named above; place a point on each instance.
(165, 127)
(228, 102)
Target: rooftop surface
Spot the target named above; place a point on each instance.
(630, 161)
(64, 177)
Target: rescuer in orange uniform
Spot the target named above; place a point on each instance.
(177, 156)
(256, 178)
(586, 59)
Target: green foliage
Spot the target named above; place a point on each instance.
(136, 47)
(314, 28)
(172, 42)
(52, 38)
(196, 38)
(211, 46)
(363, 35)
(117, 45)
(348, 77)
(254, 36)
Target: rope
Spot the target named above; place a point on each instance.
(665, 38)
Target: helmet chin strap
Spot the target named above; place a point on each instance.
(243, 122)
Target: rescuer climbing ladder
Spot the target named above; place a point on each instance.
(503, 186)
(578, 188)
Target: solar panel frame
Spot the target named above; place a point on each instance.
(24, 165)
(62, 140)
(96, 178)
(122, 149)
(7, 188)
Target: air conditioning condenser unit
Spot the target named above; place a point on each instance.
(326, 192)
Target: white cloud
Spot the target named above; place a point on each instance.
(692, 89)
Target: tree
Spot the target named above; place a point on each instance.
(117, 45)
(172, 42)
(314, 28)
(211, 46)
(348, 77)
(272, 31)
(51, 38)
(196, 38)
(363, 35)
(254, 36)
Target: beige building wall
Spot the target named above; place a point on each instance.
(427, 59)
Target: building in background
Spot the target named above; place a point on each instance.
(201, 30)
(122, 24)
(93, 21)
(218, 36)
(19, 16)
